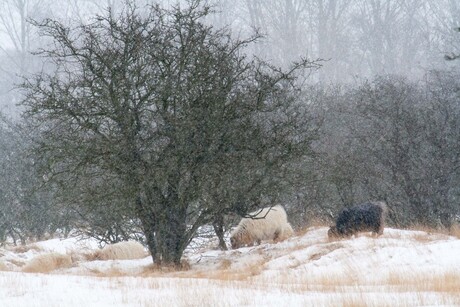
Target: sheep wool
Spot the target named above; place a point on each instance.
(268, 224)
(122, 251)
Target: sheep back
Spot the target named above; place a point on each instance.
(359, 218)
(121, 251)
(268, 224)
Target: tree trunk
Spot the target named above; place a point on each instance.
(164, 223)
(170, 234)
(218, 225)
(147, 218)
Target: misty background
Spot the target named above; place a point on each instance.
(358, 39)
(385, 103)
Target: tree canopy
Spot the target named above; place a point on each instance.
(154, 116)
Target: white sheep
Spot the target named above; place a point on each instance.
(287, 231)
(268, 224)
(47, 262)
(121, 251)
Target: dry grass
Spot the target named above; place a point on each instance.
(25, 248)
(244, 280)
(349, 287)
(225, 264)
(158, 270)
(422, 234)
(437, 233)
(443, 282)
(3, 266)
(314, 224)
(47, 262)
(455, 231)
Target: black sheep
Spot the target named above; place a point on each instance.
(364, 217)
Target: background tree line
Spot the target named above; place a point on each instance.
(149, 125)
(392, 139)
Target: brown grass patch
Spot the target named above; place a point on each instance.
(445, 282)
(225, 264)
(455, 231)
(310, 226)
(157, 270)
(423, 237)
(335, 280)
(47, 262)
(318, 222)
(435, 231)
(425, 234)
(3, 266)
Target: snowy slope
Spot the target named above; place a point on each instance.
(400, 268)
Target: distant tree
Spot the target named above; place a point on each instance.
(154, 112)
(445, 27)
(441, 151)
(14, 15)
(390, 34)
(395, 140)
(281, 21)
(452, 56)
(329, 22)
(25, 211)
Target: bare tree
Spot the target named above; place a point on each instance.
(392, 35)
(152, 108)
(329, 23)
(396, 140)
(14, 17)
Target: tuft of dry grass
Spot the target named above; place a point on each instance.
(300, 231)
(153, 269)
(47, 262)
(3, 266)
(443, 282)
(225, 264)
(437, 233)
(455, 231)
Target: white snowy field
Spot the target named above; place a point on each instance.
(400, 268)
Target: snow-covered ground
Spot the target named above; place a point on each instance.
(400, 268)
